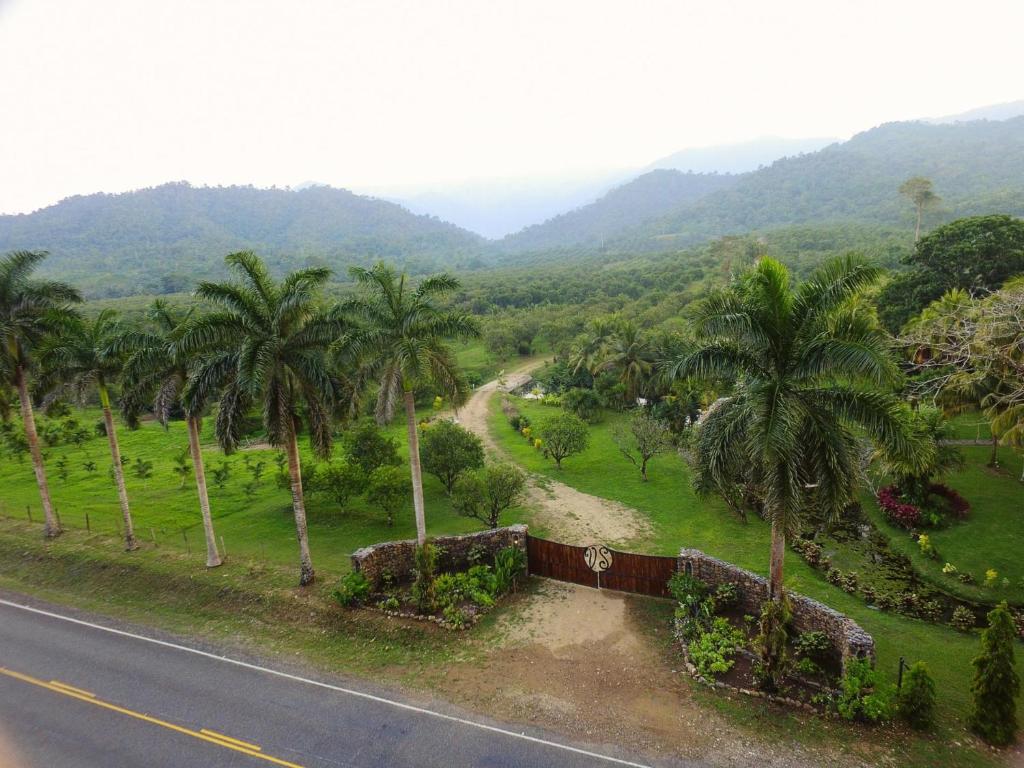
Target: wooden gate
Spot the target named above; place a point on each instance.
(628, 572)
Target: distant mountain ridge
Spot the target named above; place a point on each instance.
(739, 157)
(164, 238)
(647, 196)
(977, 167)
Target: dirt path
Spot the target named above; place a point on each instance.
(566, 513)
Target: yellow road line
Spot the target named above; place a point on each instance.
(72, 688)
(221, 741)
(229, 739)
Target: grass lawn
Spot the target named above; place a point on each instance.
(681, 519)
(257, 525)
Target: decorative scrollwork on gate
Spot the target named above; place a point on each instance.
(598, 558)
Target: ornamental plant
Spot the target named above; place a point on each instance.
(991, 577)
(996, 683)
(916, 701)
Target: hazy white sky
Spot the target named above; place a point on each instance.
(118, 94)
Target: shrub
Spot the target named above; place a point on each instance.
(834, 576)
(424, 566)
(924, 542)
(949, 569)
(369, 448)
(996, 683)
(564, 435)
(991, 577)
(456, 617)
(958, 505)
(712, 649)
(353, 589)
(726, 596)
(389, 604)
(849, 582)
(861, 697)
(389, 488)
(931, 610)
(868, 592)
(813, 645)
(448, 450)
(916, 701)
(901, 514)
(963, 619)
(509, 568)
(965, 577)
(770, 644)
(687, 589)
(581, 402)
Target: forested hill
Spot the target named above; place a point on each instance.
(653, 194)
(163, 239)
(977, 167)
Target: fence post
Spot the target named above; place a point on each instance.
(28, 508)
(88, 527)
(899, 677)
(188, 547)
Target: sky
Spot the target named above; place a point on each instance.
(111, 95)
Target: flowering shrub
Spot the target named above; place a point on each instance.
(899, 513)
(538, 443)
(925, 543)
(949, 569)
(991, 576)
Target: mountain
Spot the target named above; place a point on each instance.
(740, 157)
(1005, 111)
(497, 207)
(977, 167)
(650, 195)
(163, 239)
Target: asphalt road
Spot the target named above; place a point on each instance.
(76, 694)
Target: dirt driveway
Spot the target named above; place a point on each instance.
(568, 514)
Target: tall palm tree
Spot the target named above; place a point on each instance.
(810, 368)
(30, 311)
(84, 357)
(156, 371)
(402, 338)
(267, 346)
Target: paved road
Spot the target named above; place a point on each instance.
(77, 694)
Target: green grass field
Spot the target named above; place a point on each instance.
(259, 525)
(681, 519)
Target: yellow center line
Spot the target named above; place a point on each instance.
(229, 739)
(221, 741)
(72, 688)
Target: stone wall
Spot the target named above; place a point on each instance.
(849, 639)
(396, 557)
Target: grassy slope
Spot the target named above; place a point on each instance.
(682, 519)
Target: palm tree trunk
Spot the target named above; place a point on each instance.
(212, 555)
(414, 464)
(307, 573)
(51, 527)
(115, 453)
(778, 555)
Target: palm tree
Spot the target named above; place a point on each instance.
(267, 345)
(158, 371)
(628, 352)
(589, 349)
(402, 340)
(809, 368)
(85, 356)
(30, 312)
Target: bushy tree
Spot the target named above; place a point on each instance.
(368, 447)
(485, 493)
(564, 435)
(582, 402)
(448, 450)
(916, 701)
(646, 438)
(996, 683)
(388, 488)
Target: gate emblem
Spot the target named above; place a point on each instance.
(598, 558)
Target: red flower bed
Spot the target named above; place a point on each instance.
(898, 512)
(958, 505)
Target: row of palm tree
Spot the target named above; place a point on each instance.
(269, 345)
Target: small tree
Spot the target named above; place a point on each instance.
(583, 402)
(448, 450)
(486, 493)
(369, 448)
(388, 489)
(996, 682)
(919, 191)
(564, 435)
(340, 480)
(647, 437)
(916, 703)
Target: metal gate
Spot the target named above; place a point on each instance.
(601, 567)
